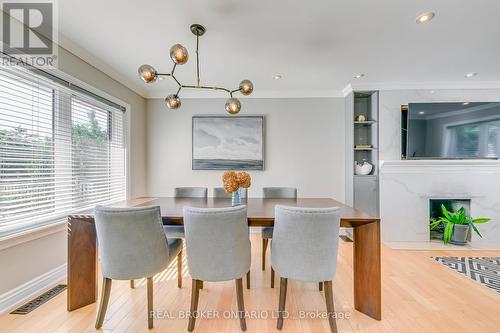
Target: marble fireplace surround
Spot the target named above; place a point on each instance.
(407, 186)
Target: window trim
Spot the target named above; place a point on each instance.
(26, 234)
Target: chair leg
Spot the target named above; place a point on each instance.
(103, 305)
(264, 249)
(281, 308)
(330, 307)
(150, 302)
(272, 277)
(179, 270)
(248, 280)
(321, 286)
(195, 295)
(241, 305)
(132, 284)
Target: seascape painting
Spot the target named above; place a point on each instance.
(228, 143)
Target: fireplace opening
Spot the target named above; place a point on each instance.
(435, 212)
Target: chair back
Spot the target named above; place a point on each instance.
(131, 242)
(279, 192)
(220, 193)
(305, 243)
(190, 192)
(217, 243)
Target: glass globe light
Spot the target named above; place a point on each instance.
(233, 105)
(179, 54)
(246, 87)
(173, 101)
(147, 73)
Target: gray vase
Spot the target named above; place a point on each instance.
(459, 236)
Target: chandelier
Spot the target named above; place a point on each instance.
(179, 56)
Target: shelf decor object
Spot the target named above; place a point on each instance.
(179, 55)
(362, 169)
(233, 181)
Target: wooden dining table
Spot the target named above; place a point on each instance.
(82, 243)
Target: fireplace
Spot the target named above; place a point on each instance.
(452, 205)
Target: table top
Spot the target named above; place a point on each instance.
(260, 211)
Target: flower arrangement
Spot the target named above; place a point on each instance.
(233, 181)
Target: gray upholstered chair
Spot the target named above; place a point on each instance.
(190, 192)
(304, 247)
(218, 249)
(267, 233)
(177, 231)
(220, 193)
(133, 245)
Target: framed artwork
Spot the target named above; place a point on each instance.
(228, 143)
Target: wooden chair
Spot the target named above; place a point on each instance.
(305, 245)
(218, 249)
(133, 245)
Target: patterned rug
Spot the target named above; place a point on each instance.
(484, 270)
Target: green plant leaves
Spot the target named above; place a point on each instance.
(445, 212)
(448, 231)
(458, 217)
(475, 229)
(481, 220)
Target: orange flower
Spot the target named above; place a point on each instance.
(230, 181)
(244, 179)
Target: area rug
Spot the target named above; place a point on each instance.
(484, 270)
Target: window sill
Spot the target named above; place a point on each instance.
(31, 234)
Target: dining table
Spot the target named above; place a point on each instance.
(83, 257)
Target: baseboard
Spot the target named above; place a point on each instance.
(32, 288)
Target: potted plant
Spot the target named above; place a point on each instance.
(456, 225)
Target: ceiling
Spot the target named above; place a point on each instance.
(317, 46)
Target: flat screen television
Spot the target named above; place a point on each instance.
(451, 130)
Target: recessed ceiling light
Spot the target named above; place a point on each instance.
(465, 103)
(359, 76)
(424, 18)
(277, 76)
(421, 112)
(432, 91)
(469, 75)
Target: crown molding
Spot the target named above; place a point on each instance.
(424, 85)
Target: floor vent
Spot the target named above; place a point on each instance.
(345, 238)
(33, 304)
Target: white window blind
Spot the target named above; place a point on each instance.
(61, 151)
(479, 139)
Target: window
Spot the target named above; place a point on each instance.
(61, 151)
(480, 139)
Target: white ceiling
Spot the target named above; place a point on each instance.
(316, 45)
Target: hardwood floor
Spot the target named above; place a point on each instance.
(418, 295)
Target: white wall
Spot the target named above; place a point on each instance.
(27, 261)
(304, 145)
(407, 186)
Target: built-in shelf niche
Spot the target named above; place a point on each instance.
(362, 190)
(365, 132)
